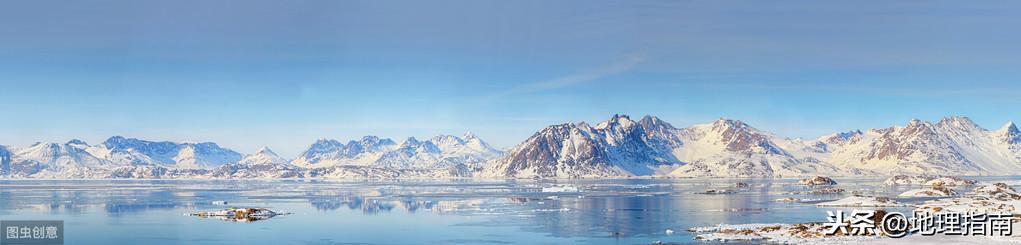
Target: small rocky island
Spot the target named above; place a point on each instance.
(240, 214)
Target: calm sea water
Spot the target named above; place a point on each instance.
(411, 212)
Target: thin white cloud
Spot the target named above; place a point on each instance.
(628, 63)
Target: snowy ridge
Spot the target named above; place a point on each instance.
(130, 151)
(952, 146)
(441, 152)
(326, 153)
(443, 156)
(617, 147)
(263, 164)
(731, 148)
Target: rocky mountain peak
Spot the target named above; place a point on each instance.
(447, 140)
(958, 122)
(724, 124)
(265, 151)
(374, 141)
(617, 121)
(413, 145)
(740, 137)
(918, 128)
(653, 123)
(77, 142)
(326, 144)
(410, 141)
(122, 144)
(840, 138)
(114, 140)
(263, 156)
(1010, 126)
(1009, 133)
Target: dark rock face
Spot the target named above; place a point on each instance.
(5, 161)
(739, 137)
(818, 180)
(618, 146)
(118, 143)
(660, 134)
(1011, 135)
(844, 138)
(546, 154)
(24, 168)
(916, 138)
(165, 152)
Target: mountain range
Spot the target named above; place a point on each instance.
(617, 147)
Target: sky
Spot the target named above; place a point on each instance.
(254, 73)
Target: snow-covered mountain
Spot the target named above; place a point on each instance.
(468, 145)
(440, 152)
(263, 164)
(52, 158)
(731, 148)
(622, 147)
(617, 147)
(5, 160)
(1009, 135)
(130, 151)
(263, 157)
(117, 156)
(369, 157)
(326, 153)
(954, 145)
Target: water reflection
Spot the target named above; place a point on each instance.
(609, 209)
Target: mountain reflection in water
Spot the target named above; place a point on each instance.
(604, 211)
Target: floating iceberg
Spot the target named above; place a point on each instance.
(561, 189)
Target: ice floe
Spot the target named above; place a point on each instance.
(990, 198)
(773, 233)
(928, 180)
(561, 189)
(788, 199)
(937, 191)
(717, 192)
(828, 191)
(861, 201)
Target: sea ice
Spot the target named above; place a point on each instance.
(861, 201)
(561, 189)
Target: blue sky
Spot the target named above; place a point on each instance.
(255, 73)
